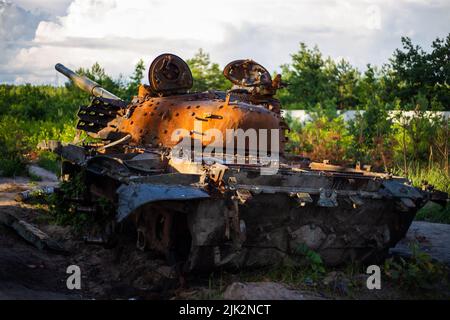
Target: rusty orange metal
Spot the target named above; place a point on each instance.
(161, 121)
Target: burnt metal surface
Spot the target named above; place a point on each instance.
(133, 196)
(86, 84)
(98, 114)
(247, 73)
(169, 74)
(206, 213)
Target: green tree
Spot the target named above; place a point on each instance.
(135, 80)
(207, 75)
(311, 78)
(347, 83)
(440, 61)
(416, 72)
(372, 134)
(97, 73)
(418, 134)
(325, 137)
(372, 128)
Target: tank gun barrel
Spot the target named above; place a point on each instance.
(86, 84)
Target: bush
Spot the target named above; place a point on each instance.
(420, 175)
(326, 137)
(418, 272)
(13, 145)
(63, 207)
(433, 212)
(49, 161)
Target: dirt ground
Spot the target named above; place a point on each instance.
(122, 272)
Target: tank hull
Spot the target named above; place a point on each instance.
(234, 204)
(276, 229)
(243, 219)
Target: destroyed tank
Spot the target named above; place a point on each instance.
(204, 179)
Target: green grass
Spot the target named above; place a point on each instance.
(435, 176)
(49, 161)
(418, 273)
(11, 167)
(440, 180)
(304, 268)
(433, 212)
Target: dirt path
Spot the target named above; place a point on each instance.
(25, 272)
(29, 273)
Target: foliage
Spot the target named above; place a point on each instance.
(311, 79)
(418, 272)
(374, 137)
(63, 208)
(420, 73)
(325, 137)
(13, 146)
(304, 268)
(135, 81)
(313, 261)
(433, 212)
(416, 146)
(30, 114)
(409, 73)
(412, 143)
(434, 175)
(49, 161)
(413, 80)
(207, 75)
(63, 205)
(371, 132)
(439, 178)
(20, 137)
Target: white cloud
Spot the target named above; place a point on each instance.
(50, 7)
(116, 33)
(17, 28)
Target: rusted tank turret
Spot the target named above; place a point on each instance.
(206, 181)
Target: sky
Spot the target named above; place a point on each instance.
(37, 34)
